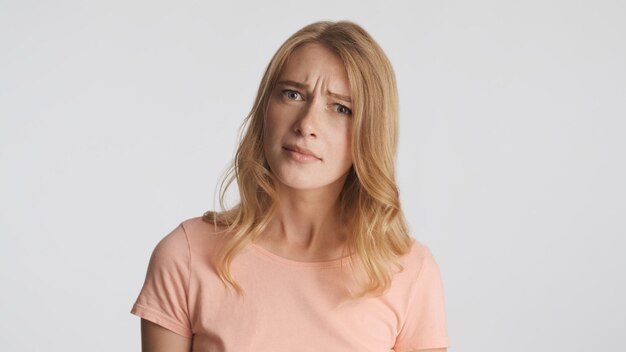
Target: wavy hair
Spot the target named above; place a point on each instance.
(369, 200)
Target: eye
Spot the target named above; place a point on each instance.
(292, 94)
(342, 109)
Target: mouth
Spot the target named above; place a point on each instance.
(301, 150)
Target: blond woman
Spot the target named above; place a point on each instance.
(316, 255)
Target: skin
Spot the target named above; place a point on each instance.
(155, 338)
(305, 109)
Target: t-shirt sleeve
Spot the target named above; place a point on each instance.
(164, 295)
(426, 323)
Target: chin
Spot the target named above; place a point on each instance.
(302, 185)
(309, 181)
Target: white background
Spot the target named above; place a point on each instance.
(118, 117)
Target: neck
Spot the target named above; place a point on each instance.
(306, 226)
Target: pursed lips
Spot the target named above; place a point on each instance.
(295, 148)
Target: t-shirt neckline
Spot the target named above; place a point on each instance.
(265, 254)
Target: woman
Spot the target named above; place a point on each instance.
(316, 256)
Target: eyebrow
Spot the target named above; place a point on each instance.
(301, 85)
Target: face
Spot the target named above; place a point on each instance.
(307, 128)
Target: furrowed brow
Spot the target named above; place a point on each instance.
(289, 82)
(304, 86)
(340, 97)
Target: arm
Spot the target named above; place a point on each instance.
(155, 338)
(425, 325)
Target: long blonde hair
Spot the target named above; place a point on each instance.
(369, 201)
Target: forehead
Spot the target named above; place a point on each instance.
(313, 62)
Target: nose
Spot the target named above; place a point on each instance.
(307, 124)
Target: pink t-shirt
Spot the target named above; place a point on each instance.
(288, 305)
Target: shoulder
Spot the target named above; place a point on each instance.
(189, 233)
(417, 257)
(418, 265)
(424, 322)
(198, 226)
(192, 239)
(203, 237)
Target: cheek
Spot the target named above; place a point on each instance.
(348, 143)
(275, 120)
(269, 141)
(343, 146)
(275, 127)
(269, 125)
(270, 131)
